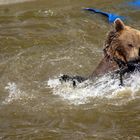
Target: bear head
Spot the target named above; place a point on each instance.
(122, 43)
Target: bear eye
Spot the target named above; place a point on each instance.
(130, 46)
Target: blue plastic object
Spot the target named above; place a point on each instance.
(111, 16)
(135, 3)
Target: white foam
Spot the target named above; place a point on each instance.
(46, 12)
(104, 87)
(14, 93)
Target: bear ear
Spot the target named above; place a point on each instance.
(119, 25)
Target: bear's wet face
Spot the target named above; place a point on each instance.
(122, 43)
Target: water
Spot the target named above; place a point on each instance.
(39, 41)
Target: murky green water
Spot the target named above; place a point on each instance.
(42, 39)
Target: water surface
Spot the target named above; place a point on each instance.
(39, 40)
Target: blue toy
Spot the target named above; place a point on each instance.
(111, 16)
(135, 3)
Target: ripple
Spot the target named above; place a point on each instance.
(13, 1)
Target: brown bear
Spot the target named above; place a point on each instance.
(121, 51)
(123, 43)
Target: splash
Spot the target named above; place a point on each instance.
(15, 93)
(103, 87)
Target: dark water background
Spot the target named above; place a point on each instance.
(42, 39)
